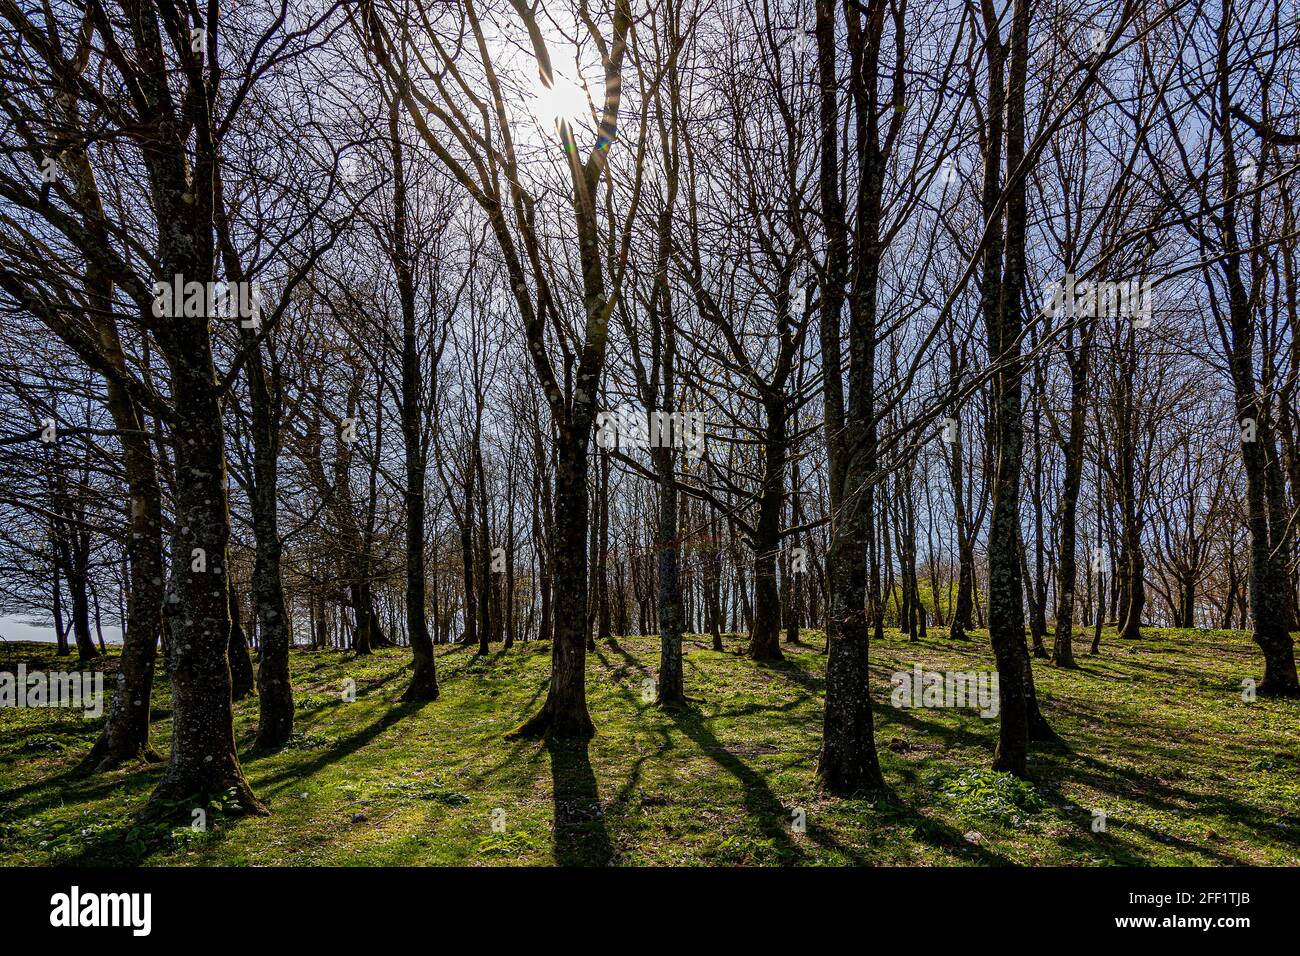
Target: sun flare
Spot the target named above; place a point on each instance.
(563, 99)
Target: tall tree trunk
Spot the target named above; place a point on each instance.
(486, 619)
(60, 632)
(1038, 606)
(542, 537)
(203, 763)
(795, 575)
(363, 612)
(77, 589)
(75, 552)
(713, 588)
(424, 677)
(125, 735)
(593, 564)
(470, 615)
(671, 689)
(1063, 646)
(271, 621)
(1037, 629)
(1267, 514)
(1002, 291)
(961, 615)
(848, 763)
(602, 554)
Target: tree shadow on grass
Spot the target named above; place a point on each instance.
(952, 737)
(1133, 785)
(791, 672)
(631, 662)
(763, 806)
(579, 819)
(345, 747)
(70, 786)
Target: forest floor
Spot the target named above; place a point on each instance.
(1155, 734)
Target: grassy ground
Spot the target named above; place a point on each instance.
(1156, 735)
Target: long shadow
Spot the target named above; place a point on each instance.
(762, 805)
(363, 689)
(751, 709)
(904, 813)
(579, 819)
(70, 786)
(791, 672)
(950, 736)
(631, 662)
(1115, 844)
(633, 781)
(1159, 795)
(518, 746)
(346, 746)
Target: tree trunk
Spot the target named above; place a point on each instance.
(424, 677)
(847, 763)
(671, 689)
(203, 764)
(470, 615)
(564, 713)
(1063, 645)
(125, 735)
(602, 554)
(77, 572)
(1002, 291)
(363, 611)
(1037, 627)
(765, 638)
(242, 681)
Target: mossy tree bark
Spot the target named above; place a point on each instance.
(1267, 516)
(564, 713)
(963, 610)
(765, 639)
(848, 763)
(1003, 275)
(204, 764)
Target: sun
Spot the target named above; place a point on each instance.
(563, 99)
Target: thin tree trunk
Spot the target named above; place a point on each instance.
(424, 677)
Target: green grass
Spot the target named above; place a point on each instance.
(1156, 735)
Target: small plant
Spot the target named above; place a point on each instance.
(977, 791)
